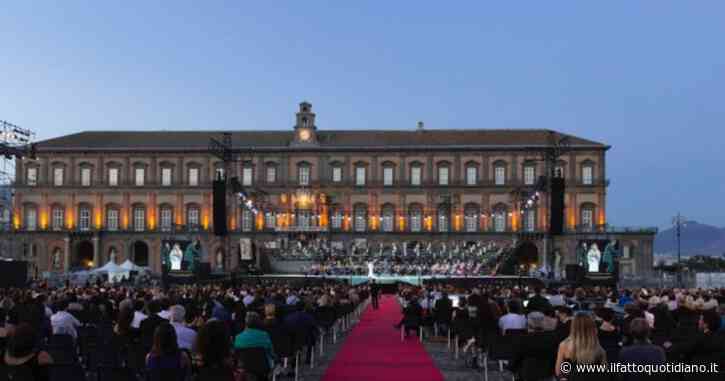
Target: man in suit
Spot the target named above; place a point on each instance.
(443, 310)
(375, 294)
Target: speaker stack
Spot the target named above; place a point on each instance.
(556, 221)
(220, 207)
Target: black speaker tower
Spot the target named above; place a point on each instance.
(556, 221)
(220, 207)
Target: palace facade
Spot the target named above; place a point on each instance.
(94, 195)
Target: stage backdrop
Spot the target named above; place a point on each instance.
(180, 255)
(598, 255)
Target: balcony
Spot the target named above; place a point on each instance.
(606, 228)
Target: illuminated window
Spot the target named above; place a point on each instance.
(587, 175)
(336, 174)
(388, 224)
(247, 174)
(587, 216)
(166, 219)
(529, 220)
(416, 219)
(270, 220)
(31, 218)
(247, 220)
(443, 218)
(336, 219)
(471, 218)
(361, 218)
(139, 219)
(303, 175)
(499, 222)
(84, 218)
(192, 217)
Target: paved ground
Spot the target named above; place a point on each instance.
(460, 369)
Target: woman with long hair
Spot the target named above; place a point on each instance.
(166, 361)
(213, 345)
(581, 347)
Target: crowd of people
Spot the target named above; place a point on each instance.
(538, 330)
(190, 332)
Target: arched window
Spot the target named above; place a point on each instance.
(139, 218)
(112, 217)
(471, 212)
(587, 213)
(193, 217)
(500, 218)
(84, 217)
(415, 216)
(57, 217)
(444, 215)
(166, 217)
(270, 220)
(499, 172)
(471, 173)
(360, 211)
(388, 223)
(336, 217)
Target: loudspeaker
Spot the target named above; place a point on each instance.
(574, 273)
(15, 274)
(220, 207)
(556, 222)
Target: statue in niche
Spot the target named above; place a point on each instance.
(56, 259)
(220, 259)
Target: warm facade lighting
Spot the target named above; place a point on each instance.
(205, 218)
(43, 219)
(401, 223)
(260, 221)
(99, 218)
(16, 219)
(69, 220)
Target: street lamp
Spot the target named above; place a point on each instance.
(678, 222)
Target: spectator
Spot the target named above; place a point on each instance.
(185, 335)
(705, 347)
(138, 315)
(582, 345)
(641, 352)
(148, 326)
(64, 323)
(254, 337)
(538, 302)
(165, 357)
(534, 354)
(212, 344)
(514, 319)
(21, 352)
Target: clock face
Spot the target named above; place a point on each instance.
(305, 135)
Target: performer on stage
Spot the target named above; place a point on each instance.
(610, 254)
(175, 257)
(371, 270)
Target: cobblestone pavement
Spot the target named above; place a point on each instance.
(457, 370)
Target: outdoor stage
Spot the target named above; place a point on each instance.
(462, 281)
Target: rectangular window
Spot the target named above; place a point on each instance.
(388, 220)
(499, 222)
(360, 176)
(32, 178)
(271, 174)
(360, 221)
(84, 219)
(193, 177)
(193, 218)
(31, 219)
(58, 219)
(442, 175)
(247, 176)
(530, 221)
(140, 176)
(336, 174)
(304, 175)
(247, 220)
(85, 177)
(166, 218)
(500, 175)
(415, 175)
(388, 176)
(529, 175)
(58, 177)
(337, 220)
(139, 219)
(269, 220)
(442, 221)
(112, 220)
(587, 218)
(113, 177)
(588, 175)
(165, 177)
(625, 252)
(471, 222)
(416, 223)
(471, 175)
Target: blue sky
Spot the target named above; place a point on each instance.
(647, 77)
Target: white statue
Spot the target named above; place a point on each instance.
(112, 255)
(371, 270)
(219, 260)
(594, 256)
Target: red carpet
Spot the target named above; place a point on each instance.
(373, 350)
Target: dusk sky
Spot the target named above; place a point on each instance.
(647, 77)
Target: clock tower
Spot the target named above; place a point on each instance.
(305, 129)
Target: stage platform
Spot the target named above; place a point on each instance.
(470, 281)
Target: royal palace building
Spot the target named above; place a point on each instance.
(95, 195)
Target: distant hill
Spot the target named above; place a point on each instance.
(696, 238)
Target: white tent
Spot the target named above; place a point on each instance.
(109, 267)
(130, 266)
